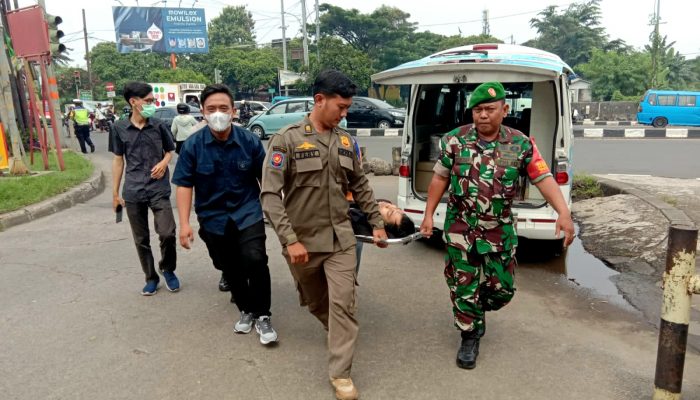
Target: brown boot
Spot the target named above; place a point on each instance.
(344, 389)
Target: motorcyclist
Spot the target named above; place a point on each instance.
(245, 113)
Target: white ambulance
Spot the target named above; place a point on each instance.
(536, 84)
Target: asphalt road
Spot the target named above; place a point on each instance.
(678, 158)
(74, 326)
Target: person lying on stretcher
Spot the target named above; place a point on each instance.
(396, 224)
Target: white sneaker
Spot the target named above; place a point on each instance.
(245, 324)
(263, 326)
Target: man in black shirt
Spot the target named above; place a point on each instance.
(146, 145)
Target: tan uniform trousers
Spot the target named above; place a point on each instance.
(327, 285)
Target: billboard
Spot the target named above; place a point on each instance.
(160, 30)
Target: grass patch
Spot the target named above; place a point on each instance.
(585, 187)
(17, 192)
(670, 200)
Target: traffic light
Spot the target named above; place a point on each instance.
(76, 78)
(55, 34)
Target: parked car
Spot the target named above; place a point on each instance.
(167, 114)
(367, 112)
(282, 114)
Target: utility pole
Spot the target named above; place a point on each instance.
(655, 45)
(284, 46)
(87, 53)
(306, 36)
(7, 112)
(318, 34)
(485, 31)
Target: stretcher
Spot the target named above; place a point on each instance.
(404, 240)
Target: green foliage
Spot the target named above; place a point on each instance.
(17, 192)
(573, 33)
(585, 187)
(176, 75)
(233, 27)
(385, 33)
(610, 71)
(110, 66)
(345, 58)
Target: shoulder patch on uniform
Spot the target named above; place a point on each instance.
(345, 141)
(308, 128)
(277, 159)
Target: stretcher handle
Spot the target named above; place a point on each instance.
(403, 240)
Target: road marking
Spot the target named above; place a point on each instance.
(593, 133)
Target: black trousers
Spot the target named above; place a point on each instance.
(242, 258)
(82, 133)
(164, 222)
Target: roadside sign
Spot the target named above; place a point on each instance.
(85, 95)
(271, 90)
(111, 94)
(109, 86)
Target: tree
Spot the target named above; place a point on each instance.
(610, 72)
(176, 75)
(110, 66)
(234, 26)
(343, 57)
(385, 33)
(573, 33)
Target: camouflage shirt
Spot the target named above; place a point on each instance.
(484, 180)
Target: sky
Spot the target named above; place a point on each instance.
(621, 19)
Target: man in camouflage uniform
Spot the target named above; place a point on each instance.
(309, 168)
(481, 164)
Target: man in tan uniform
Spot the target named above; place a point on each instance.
(308, 170)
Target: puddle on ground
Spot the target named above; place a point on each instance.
(578, 267)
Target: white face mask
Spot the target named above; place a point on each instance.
(218, 121)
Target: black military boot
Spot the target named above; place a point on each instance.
(223, 284)
(468, 350)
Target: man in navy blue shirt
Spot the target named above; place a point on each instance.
(222, 164)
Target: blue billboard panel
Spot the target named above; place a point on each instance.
(160, 30)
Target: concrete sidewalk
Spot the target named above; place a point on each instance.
(628, 230)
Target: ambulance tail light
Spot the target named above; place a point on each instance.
(562, 172)
(404, 169)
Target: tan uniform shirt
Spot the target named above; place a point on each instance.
(305, 178)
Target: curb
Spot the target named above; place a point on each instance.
(637, 133)
(608, 123)
(375, 132)
(672, 214)
(78, 194)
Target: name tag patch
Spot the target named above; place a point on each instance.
(345, 152)
(302, 155)
(463, 160)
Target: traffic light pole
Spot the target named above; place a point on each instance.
(46, 62)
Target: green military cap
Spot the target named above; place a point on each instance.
(487, 92)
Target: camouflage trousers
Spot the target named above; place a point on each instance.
(470, 296)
